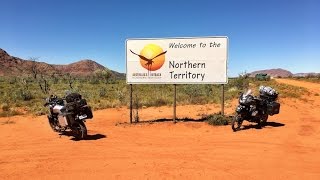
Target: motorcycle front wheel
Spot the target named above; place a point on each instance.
(264, 119)
(236, 122)
(79, 130)
(52, 124)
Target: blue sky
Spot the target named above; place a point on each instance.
(262, 34)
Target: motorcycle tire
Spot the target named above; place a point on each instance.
(236, 122)
(79, 130)
(53, 124)
(264, 119)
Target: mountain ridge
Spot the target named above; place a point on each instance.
(14, 66)
(279, 72)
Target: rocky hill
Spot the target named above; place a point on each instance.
(273, 72)
(82, 67)
(14, 66)
(306, 74)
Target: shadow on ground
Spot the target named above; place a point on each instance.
(164, 120)
(88, 138)
(268, 124)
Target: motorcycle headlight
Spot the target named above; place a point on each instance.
(242, 99)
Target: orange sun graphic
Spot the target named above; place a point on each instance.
(152, 57)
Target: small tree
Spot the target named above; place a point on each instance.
(43, 84)
(34, 67)
(37, 71)
(242, 82)
(70, 79)
(55, 78)
(25, 82)
(103, 75)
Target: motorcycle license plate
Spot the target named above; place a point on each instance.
(83, 116)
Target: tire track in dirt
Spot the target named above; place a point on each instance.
(309, 120)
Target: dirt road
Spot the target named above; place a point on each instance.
(287, 148)
(314, 87)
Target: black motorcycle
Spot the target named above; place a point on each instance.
(256, 109)
(69, 114)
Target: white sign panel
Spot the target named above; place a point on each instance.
(200, 60)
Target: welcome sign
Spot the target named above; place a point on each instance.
(197, 60)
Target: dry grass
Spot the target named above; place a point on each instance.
(284, 90)
(100, 95)
(313, 79)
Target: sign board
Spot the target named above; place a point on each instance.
(196, 60)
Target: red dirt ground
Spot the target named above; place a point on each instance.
(287, 148)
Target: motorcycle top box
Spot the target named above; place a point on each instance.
(267, 92)
(72, 97)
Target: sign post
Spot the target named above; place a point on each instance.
(175, 104)
(130, 103)
(222, 100)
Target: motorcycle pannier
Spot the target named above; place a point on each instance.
(88, 112)
(72, 106)
(82, 102)
(273, 108)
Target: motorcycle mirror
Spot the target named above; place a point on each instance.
(67, 92)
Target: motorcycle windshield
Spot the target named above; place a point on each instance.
(249, 92)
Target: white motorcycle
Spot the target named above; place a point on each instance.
(69, 114)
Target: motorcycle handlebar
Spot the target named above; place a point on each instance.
(53, 101)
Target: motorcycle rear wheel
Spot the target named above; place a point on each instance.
(79, 130)
(236, 122)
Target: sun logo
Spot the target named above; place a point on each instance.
(152, 57)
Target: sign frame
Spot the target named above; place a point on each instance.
(168, 38)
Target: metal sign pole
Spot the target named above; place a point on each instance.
(130, 103)
(174, 103)
(222, 100)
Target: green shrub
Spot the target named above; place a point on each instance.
(102, 92)
(94, 80)
(121, 96)
(160, 102)
(38, 109)
(218, 119)
(5, 107)
(241, 83)
(26, 95)
(9, 113)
